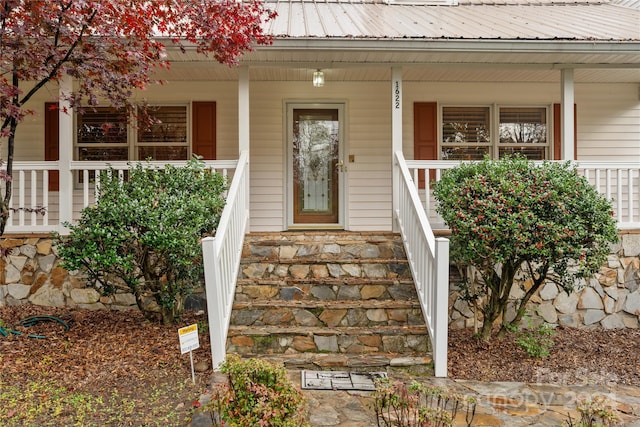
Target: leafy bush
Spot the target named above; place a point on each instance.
(512, 218)
(596, 412)
(535, 340)
(415, 405)
(258, 394)
(142, 236)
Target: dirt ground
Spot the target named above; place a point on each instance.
(578, 356)
(115, 368)
(110, 368)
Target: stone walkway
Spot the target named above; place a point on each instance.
(508, 404)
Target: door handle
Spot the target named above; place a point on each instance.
(340, 166)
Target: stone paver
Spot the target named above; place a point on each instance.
(500, 404)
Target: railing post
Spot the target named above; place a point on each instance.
(441, 314)
(215, 302)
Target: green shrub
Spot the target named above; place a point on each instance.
(142, 236)
(535, 340)
(257, 394)
(512, 218)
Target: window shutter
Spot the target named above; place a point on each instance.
(52, 141)
(204, 130)
(557, 133)
(425, 135)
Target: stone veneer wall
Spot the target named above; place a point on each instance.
(31, 274)
(611, 299)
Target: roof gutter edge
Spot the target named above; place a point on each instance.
(456, 45)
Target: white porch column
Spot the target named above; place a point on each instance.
(244, 128)
(243, 109)
(567, 115)
(396, 137)
(65, 136)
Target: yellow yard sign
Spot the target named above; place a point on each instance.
(188, 338)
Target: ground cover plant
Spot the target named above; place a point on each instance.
(143, 234)
(513, 218)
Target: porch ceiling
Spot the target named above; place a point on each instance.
(424, 60)
(335, 72)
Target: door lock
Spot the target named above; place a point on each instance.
(340, 166)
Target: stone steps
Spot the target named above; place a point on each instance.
(328, 314)
(323, 299)
(254, 340)
(390, 362)
(333, 305)
(321, 269)
(326, 289)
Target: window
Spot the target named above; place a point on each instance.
(524, 131)
(104, 135)
(467, 132)
(166, 139)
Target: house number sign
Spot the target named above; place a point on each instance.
(396, 95)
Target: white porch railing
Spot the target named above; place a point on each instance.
(34, 208)
(429, 261)
(617, 181)
(221, 255)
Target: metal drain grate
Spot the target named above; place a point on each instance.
(339, 380)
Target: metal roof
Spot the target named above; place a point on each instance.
(468, 20)
(475, 40)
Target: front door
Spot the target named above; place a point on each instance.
(316, 166)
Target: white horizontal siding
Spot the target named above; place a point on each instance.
(369, 125)
(608, 122)
(268, 170)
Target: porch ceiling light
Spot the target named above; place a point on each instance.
(318, 78)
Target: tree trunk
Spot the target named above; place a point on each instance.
(491, 309)
(8, 184)
(522, 306)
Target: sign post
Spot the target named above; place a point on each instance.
(188, 342)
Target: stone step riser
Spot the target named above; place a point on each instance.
(321, 317)
(251, 291)
(404, 365)
(291, 343)
(320, 246)
(315, 270)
